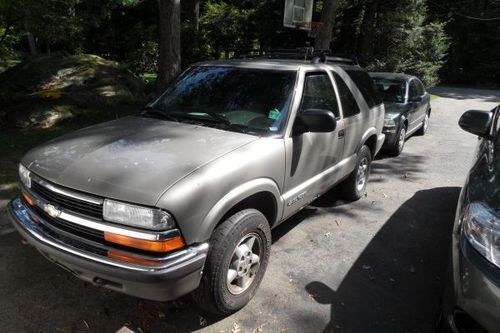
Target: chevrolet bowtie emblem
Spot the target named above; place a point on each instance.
(51, 210)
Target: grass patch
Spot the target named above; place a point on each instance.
(149, 78)
(6, 64)
(433, 97)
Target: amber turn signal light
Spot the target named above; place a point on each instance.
(166, 245)
(131, 259)
(27, 198)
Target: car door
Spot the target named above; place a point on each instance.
(425, 98)
(311, 158)
(414, 106)
(353, 121)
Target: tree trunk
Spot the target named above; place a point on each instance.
(324, 35)
(31, 40)
(195, 15)
(169, 62)
(367, 29)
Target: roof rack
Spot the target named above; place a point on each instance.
(300, 53)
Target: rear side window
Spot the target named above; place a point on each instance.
(366, 86)
(319, 93)
(413, 89)
(349, 104)
(420, 88)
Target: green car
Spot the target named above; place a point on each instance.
(407, 108)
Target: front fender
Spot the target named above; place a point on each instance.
(235, 196)
(368, 133)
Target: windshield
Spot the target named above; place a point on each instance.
(391, 90)
(253, 101)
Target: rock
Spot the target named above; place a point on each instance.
(41, 90)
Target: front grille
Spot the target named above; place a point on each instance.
(69, 227)
(71, 204)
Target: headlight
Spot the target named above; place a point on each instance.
(482, 229)
(24, 175)
(137, 216)
(389, 122)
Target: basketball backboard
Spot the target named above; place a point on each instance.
(298, 14)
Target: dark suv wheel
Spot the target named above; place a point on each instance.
(236, 263)
(425, 124)
(399, 144)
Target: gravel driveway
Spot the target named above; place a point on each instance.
(375, 265)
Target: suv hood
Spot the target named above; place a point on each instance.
(131, 159)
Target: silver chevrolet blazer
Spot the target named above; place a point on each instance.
(181, 197)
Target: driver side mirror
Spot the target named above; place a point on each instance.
(477, 122)
(316, 121)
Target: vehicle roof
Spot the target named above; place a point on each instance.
(392, 76)
(277, 64)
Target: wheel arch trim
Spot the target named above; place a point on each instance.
(234, 197)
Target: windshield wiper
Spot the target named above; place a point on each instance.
(155, 112)
(224, 121)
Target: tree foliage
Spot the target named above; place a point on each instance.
(435, 40)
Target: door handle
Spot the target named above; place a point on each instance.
(341, 133)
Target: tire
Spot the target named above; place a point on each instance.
(229, 242)
(351, 188)
(425, 125)
(398, 146)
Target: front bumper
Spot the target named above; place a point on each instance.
(473, 303)
(391, 136)
(174, 275)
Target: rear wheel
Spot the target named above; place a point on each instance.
(354, 187)
(425, 124)
(236, 263)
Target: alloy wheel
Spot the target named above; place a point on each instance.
(362, 174)
(244, 264)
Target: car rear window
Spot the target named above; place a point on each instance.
(366, 86)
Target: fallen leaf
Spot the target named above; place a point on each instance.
(258, 329)
(236, 328)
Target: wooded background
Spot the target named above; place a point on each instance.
(455, 42)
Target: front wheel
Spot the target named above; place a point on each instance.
(236, 263)
(354, 187)
(398, 146)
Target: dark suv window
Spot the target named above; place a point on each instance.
(420, 87)
(349, 104)
(366, 86)
(319, 93)
(413, 89)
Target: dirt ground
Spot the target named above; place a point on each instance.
(375, 265)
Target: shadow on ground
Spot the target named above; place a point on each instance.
(394, 286)
(396, 283)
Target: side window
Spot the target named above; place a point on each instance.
(366, 86)
(413, 89)
(319, 93)
(349, 104)
(420, 87)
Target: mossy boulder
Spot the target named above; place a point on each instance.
(44, 90)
